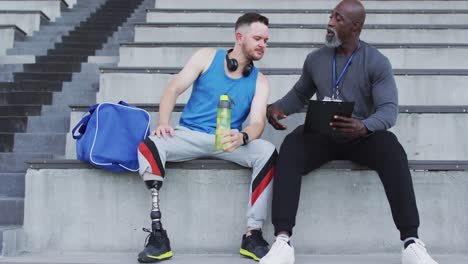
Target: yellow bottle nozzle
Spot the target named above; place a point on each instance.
(224, 98)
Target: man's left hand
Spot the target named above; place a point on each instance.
(349, 127)
(233, 138)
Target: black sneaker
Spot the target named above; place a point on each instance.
(157, 247)
(254, 246)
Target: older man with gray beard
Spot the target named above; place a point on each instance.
(350, 70)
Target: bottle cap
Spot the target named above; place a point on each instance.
(224, 97)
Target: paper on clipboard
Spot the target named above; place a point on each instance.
(320, 114)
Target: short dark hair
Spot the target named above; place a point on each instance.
(249, 18)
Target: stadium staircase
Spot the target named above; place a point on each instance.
(75, 212)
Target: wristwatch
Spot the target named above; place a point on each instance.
(245, 138)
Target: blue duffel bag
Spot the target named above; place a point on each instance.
(109, 134)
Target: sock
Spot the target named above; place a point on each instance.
(409, 241)
(249, 231)
(284, 237)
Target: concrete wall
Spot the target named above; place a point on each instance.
(143, 87)
(307, 4)
(341, 212)
(28, 22)
(416, 132)
(7, 39)
(435, 58)
(152, 33)
(155, 16)
(51, 8)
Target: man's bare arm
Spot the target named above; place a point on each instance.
(257, 116)
(196, 65)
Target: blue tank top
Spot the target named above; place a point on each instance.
(200, 111)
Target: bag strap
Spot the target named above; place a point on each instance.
(83, 122)
(123, 103)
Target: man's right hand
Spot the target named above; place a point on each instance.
(162, 130)
(274, 114)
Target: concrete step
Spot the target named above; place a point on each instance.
(8, 35)
(44, 124)
(51, 76)
(13, 123)
(10, 68)
(293, 57)
(124, 35)
(5, 232)
(417, 131)
(51, 9)
(74, 51)
(28, 21)
(54, 28)
(90, 34)
(291, 33)
(320, 4)
(298, 17)
(104, 16)
(7, 86)
(37, 86)
(53, 109)
(112, 45)
(190, 199)
(76, 17)
(101, 21)
(61, 58)
(108, 50)
(11, 184)
(66, 39)
(15, 162)
(6, 77)
(77, 96)
(232, 258)
(46, 37)
(7, 140)
(148, 84)
(11, 210)
(28, 51)
(39, 44)
(10, 110)
(88, 46)
(25, 97)
(17, 59)
(53, 67)
(104, 60)
(98, 27)
(40, 142)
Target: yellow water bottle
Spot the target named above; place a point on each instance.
(223, 120)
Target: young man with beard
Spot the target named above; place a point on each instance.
(347, 69)
(214, 73)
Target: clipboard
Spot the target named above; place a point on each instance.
(320, 114)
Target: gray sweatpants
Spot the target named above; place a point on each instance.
(260, 155)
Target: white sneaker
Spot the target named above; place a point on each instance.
(280, 253)
(416, 253)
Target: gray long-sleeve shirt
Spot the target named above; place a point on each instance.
(368, 81)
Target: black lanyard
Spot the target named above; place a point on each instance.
(335, 84)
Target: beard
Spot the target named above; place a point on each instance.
(334, 41)
(252, 55)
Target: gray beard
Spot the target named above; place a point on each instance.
(335, 42)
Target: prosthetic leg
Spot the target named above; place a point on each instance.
(157, 246)
(154, 187)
